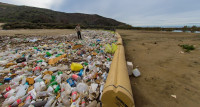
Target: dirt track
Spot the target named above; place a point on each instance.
(165, 69)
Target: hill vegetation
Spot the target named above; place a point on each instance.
(32, 17)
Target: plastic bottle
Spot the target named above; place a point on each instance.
(47, 77)
(18, 101)
(22, 91)
(54, 103)
(9, 88)
(53, 69)
(38, 77)
(74, 95)
(71, 82)
(78, 101)
(42, 85)
(33, 93)
(82, 87)
(16, 79)
(42, 94)
(50, 101)
(7, 79)
(23, 80)
(68, 88)
(28, 100)
(58, 78)
(53, 78)
(9, 93)
(93, 87)
(57, 89)
(44, 64)
(36, 70)
(73, 104)
(50, 89)
(83, 103)
(80, 73)
(48, 54)
(65, 101)
(9, 101)
(37, 104)
(101, 87)
(89, 58)
(76, 77)
(37, 87)
(53, 83)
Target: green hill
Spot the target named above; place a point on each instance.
(24, 16)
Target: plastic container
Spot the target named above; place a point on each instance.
(76, 67)
(136, 72)
(129, 67)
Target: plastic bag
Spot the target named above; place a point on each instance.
(76, 67)
(114, 48)
(108, 48)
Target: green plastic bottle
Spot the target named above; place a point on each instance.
(53, 83)
(60, 72)
(39, 61)
(57, 89)
(53, 78)
(85, 63)
(48, 54)
(108, 59)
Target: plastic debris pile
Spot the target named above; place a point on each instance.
(56, 70)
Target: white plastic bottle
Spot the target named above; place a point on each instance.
(28, 100)
(50, 101)
(74, 95)
(9, 101)
(10, 93)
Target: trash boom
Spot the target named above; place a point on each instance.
(117, 90)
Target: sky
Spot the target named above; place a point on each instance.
(133, 12)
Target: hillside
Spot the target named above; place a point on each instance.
(24, 14)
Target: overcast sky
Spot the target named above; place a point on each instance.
(133, 12)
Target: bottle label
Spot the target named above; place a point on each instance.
(6, 95)
(29, 97)
(8, 89)
(19, 101)
(74, 93)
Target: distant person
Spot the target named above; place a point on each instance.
(78, 30)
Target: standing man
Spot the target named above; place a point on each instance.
(78, 30)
